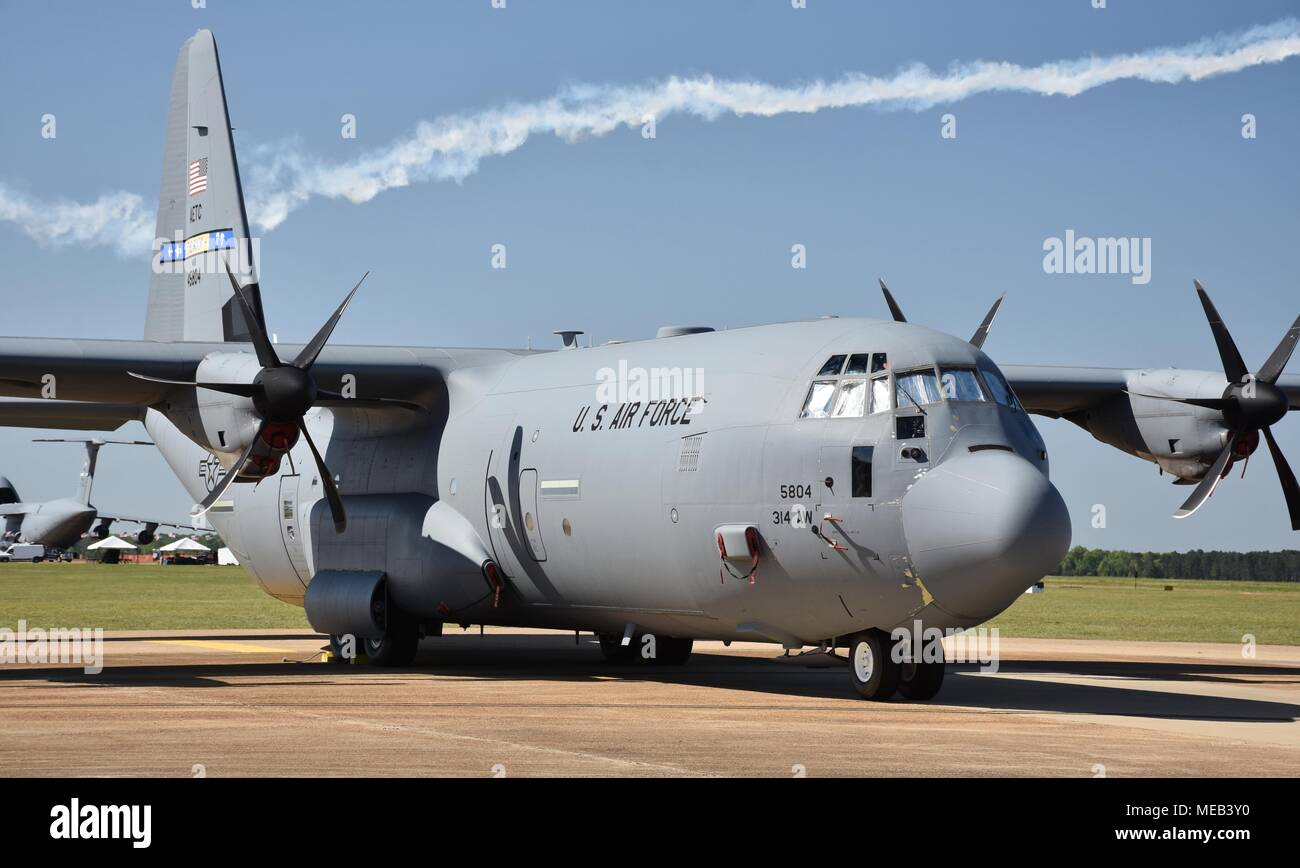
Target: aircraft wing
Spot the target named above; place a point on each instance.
(102, 516)
(1054, 391)
(14, 509)
(100, 372)
(68, 415)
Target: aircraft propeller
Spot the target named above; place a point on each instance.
(981, 334)
(1250, 404)
(282, 394)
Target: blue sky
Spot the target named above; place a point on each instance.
(619, 235)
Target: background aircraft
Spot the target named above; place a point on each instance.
(60, 523)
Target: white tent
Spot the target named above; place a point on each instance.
(226, 557)
(112, 542)
(185, 544)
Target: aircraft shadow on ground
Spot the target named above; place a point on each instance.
(557, 658)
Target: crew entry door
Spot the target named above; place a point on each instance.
(846, 492)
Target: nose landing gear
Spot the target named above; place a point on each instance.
(876, 674)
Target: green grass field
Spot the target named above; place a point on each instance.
(138, 597)
(1194, 611)
(129, 597)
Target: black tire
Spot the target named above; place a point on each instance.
(399, 645)
(669, 651)
(872, 668)
(922, 679)
(611, 645)
(337, 645)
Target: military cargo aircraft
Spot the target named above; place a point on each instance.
(60, 523)
(812, 483)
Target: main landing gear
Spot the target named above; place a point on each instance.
(397, 647)
(668, 650)
(877, 675)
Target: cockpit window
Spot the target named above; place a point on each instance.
(858, 363)
(961, 384)
(818, 403)
(1001, 391)
(916, 387)
(852, 398)
(879, 362)
(880, 395)
(832, 366)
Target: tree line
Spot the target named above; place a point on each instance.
(1283, 566)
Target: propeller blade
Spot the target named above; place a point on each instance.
(266, 355)
(1210, 482)
(307, 357)
(1289, 486)
(331, 490)
(1273, 367)
(1233, 367)
(326, 398)
(225, 482)
(983, 331)
(244, 390)
(894, 309)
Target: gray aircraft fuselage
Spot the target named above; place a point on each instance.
(53, 523)
(603, 510)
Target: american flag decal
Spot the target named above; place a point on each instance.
(198, 176)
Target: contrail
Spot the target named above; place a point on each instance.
(282, 178)
(117, 220)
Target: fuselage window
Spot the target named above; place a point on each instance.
(916, 387)
(852, 398)
(818, 403)
(1001, 391)
(858, 363)
(880, 395)
(833, 366)
(861, 471)
(961, 384)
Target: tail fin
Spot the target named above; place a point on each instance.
(201, 218)
(87, 469)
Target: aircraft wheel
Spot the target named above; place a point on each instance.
(611, 645)
(871, 666)
(398, 645)
(671, 651)
(920, 680)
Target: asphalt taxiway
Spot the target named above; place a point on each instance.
(523, 703)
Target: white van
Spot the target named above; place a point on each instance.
(22, 552)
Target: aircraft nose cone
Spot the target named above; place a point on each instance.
(981, 528)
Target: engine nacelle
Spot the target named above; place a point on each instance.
(1183, 439)
(222, 423)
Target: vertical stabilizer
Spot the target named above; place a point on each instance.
(87, 480)
(201, 218)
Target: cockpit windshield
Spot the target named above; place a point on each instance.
(961, 384)
(998, 386)
(916, 387)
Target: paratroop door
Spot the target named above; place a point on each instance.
(532, 521)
